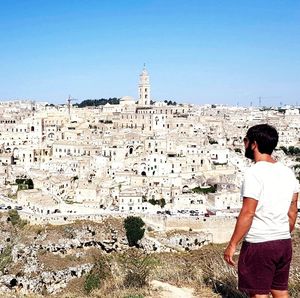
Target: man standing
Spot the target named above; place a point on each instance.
(267, 217)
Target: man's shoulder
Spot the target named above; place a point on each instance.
(252, 172)
(284, 167)
(255, 167)
(265, 168)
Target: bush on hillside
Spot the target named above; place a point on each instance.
(217, 274)
(5, 258)
(100, 272)
(137, 266)
(135, 230)
(15, 218)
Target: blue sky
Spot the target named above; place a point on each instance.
(212, 51)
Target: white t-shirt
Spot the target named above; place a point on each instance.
(273, 186)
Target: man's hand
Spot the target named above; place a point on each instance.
(242, 226)
(228, 254)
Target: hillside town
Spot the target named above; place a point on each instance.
(75, 173)
(61, 163)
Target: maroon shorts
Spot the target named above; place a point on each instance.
(264, 266)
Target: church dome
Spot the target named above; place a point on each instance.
(127, 98)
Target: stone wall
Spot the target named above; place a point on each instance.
(219, 228)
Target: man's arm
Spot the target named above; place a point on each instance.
(242, 226)
(293, 211)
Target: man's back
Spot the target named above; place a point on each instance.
(272, 185)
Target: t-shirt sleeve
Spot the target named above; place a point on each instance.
(251, 187)
(296, 187)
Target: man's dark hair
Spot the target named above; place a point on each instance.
(265, 135)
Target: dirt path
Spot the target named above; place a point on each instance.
(166, 290)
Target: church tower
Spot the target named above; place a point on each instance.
(144, 88)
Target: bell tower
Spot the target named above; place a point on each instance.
(144, 88)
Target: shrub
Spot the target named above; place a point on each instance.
(15, 218)
(24, 184)
(91, 283)
(153, 201)
(161, 202)
(218, 275)
(100, 272)
(291, 150)
(5, 257)
(138, 266)
(134, 230)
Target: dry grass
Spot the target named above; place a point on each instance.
(294, 280)
(52, 262)
(203, 270)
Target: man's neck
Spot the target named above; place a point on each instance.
(263, 157)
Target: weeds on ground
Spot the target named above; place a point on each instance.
(114, 276)
(183, 270)
(137, 266)
(5, 257)
(294, 282)
(100, 272)
(218, 275)
(15, 219)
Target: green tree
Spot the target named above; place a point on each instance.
(284, 149)
(30, 184)
(24, 184)
(15, 218)
(205, 190)
(134, 227)
(153, 201)
(98, 102)
(162, 202)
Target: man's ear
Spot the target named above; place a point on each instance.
(254, 145)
